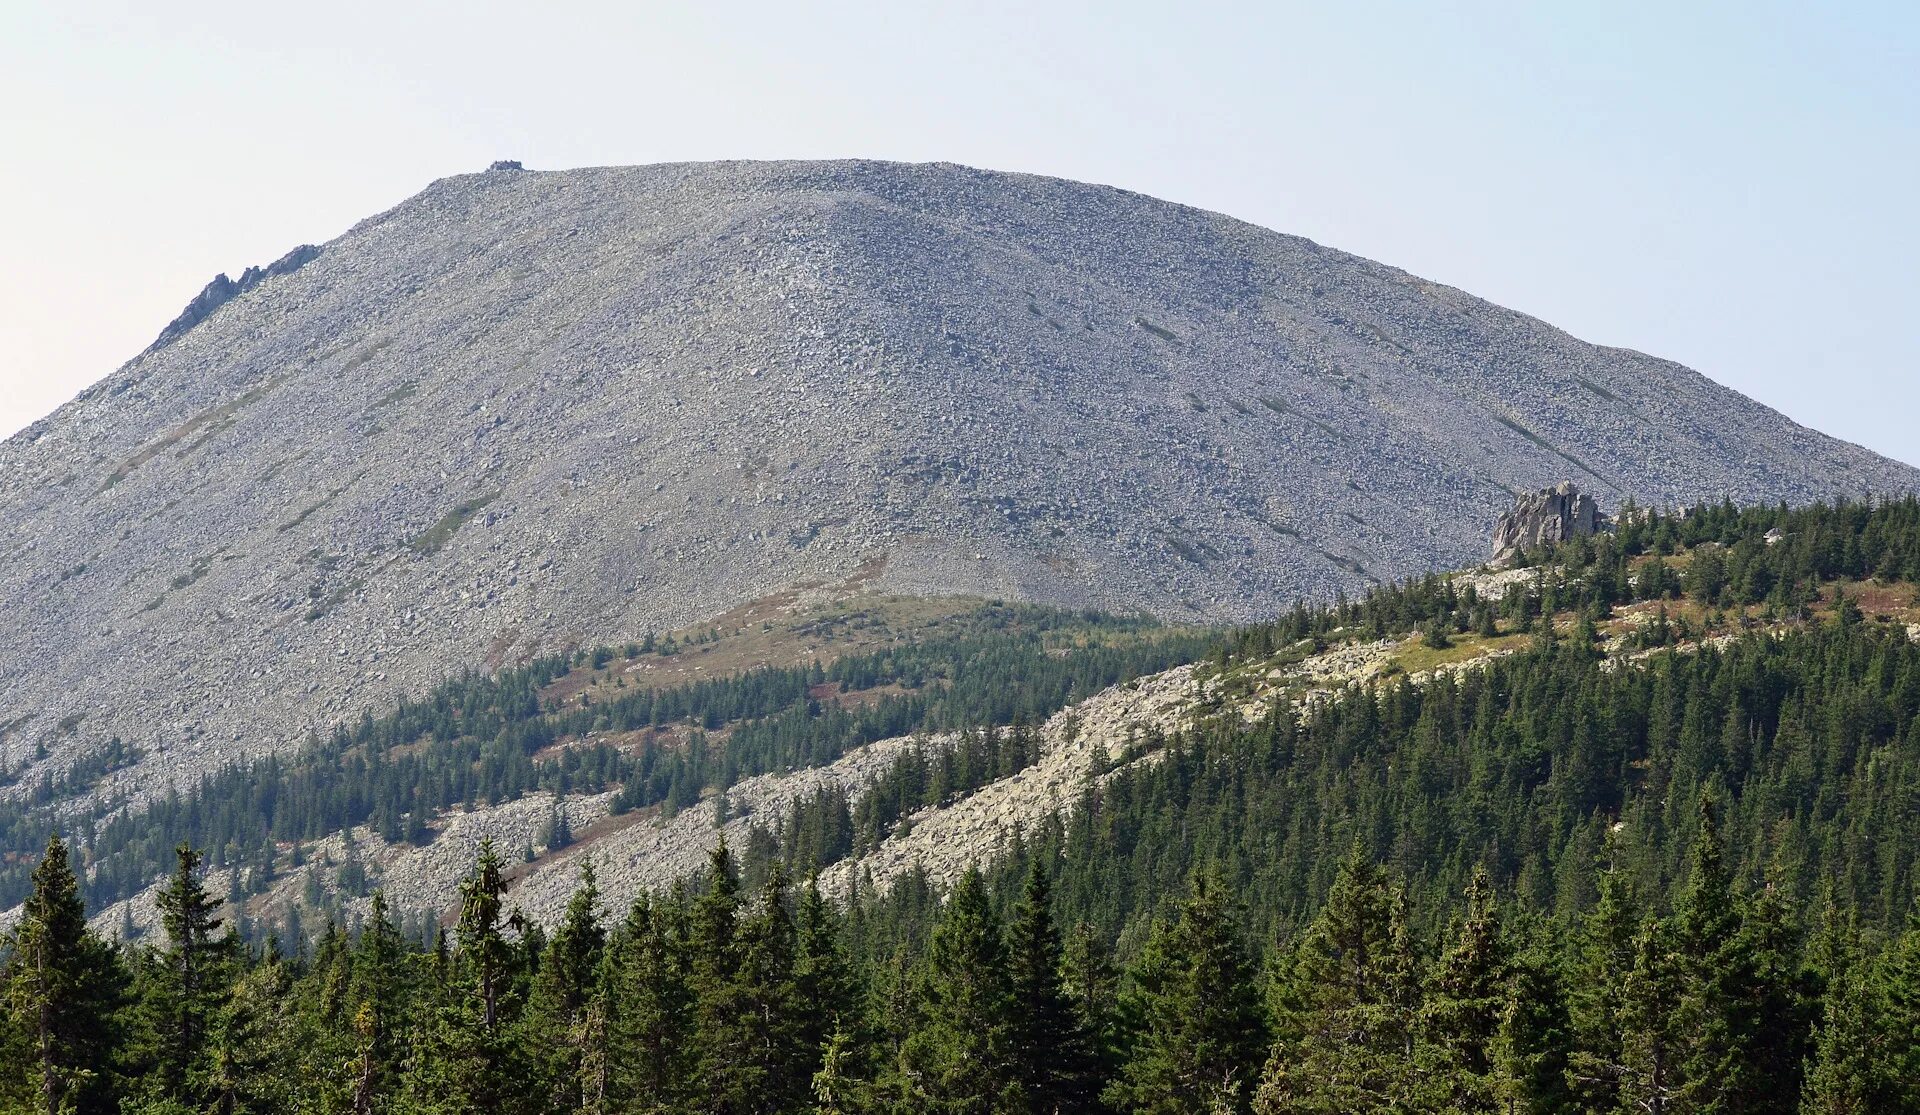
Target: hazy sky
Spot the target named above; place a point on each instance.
(1732, 186)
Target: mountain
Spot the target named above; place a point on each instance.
(526, 411)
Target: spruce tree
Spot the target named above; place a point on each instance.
(1091, 984)
(651, 1009)
(960, 1058)
(1649, 1074)
(1602, 966)
(1051, 1055)
(726, 1070)
(824, 984)
(1733, 1011)
(64, 987)
(779, 1068)
(467, 1060)
(1201, 1030)
(1466, 999)
(1344, 1026)
(1849, 1074)
(378, 993)
(189, 981)
(1896, 1008)
(551, 1029)
(1536, 1044)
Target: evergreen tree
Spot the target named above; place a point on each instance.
(824, 985)
(1201, 1031)
(467, 1060)
(1345, 1010)
(64, 987)
(960, 1059)
(1737, 1011)
(552, 1029)
(1536, 1044)
(1602, 967)
(257, 1047)
(1649, 1074)
(779, 1072)
(1849, 1074)
(187, 982)
(1091, 984)
(1896, 1007)
(379, 991)
(1467, 996)
(651, 1009)
(1052, 1058)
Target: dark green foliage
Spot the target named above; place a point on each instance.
(475, 740)
(184, 987)
(64, 989)
(961, 1058)
(1052, 1054)
(1550, 885)
(1200, 1031)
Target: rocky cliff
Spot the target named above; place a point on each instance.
(523, 410)
(1544, 518)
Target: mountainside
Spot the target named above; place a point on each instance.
(526, 411)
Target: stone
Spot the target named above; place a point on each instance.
(1544, 518)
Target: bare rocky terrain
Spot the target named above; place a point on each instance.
(523, 410)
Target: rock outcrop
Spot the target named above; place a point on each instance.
(526, 410)
(223, 290)
(1544, 518)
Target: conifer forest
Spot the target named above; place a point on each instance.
(1669, 867)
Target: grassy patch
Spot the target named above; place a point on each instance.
(1280, 407)
(1548, 446)
(399, 394)
(1163, 334)
(218, 418)
(1417, 657)
(1597, 389)
(435, 537)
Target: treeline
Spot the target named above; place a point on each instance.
(481, 740)
(1772, 559)
(1714, 997)
(1527, 767)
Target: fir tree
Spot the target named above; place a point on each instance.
(467, 1061)
(779, 1068)
(1649, 1074)
(1602, 967)
(1091, 984)
(378, 992)
(960, 1059)
(64, 986)
(824, 985)
(188, 981)
(651, 1009)
(1535, 1048)
(1201, 1029)
(1731, 1011)
(551, 1030)
(1466, 998)
(1051, 1055)
(1343, 1012)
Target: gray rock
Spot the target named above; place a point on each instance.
(1544, 518)
(531, 410)
(223, 290)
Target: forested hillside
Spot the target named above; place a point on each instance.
(1631, 830)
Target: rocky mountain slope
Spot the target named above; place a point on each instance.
(525, 410)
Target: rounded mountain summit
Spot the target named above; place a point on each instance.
(524, 410)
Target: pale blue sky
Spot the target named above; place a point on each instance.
(1728, 185)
